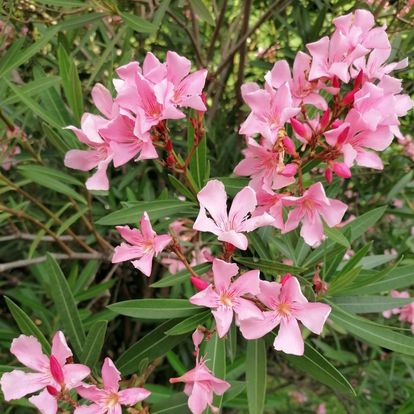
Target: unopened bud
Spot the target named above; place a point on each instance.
(170, 160)
(342, 170)
(285, 278)
(289, 145)
(198, 283)
(342, 136)
(289, 170)
(56, 370)
(328, 175)
(335, 82)
(52, 390)
(358, 80)
(325, 119)
(298, 127)
(169, 146)
(349, 98)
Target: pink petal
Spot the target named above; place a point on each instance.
(223, 272)
(131, 396)
(244, 203)
(177, 67)
(144, 264)
(81, 160)
(247, 283)
(116, 409)
(223, 316)
(99, 180)
(207, 297)
(255, 222)
(89, 409)
(313, 315)
(153, 69)
(60, 349)
(125, 252)
(279, 74)
(161, 242)
(257, 328)
(200, 397)
(334, 213)
(146, 229)
(293, 220)
(45, 403)
(204, 223)
(269, 292)
(369, 159)
(236, 239)
(110, 375)
(91, 392)
(291, 291)
(245, 309)
(28, 351)
(74, 374)
(102, 99)
(289, 338)
(132, 236)
(213, 197)
(17, 384)
(312, 230)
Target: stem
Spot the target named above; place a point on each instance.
(176, 248)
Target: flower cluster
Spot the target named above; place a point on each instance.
(346, 84)
(56, 375)
(406, 313)
(133, 122)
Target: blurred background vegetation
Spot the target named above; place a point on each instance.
(52, 52)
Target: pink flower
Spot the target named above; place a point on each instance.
(271, 203)
(226, 297)
(308, 209)
(395, 294)
(286, 305)
(142, 244)
(200, 385)
(109, 399)
(48, 373)
(270, 110)
(7, 156)
(303, 91)
(229, 227)
(264, 164)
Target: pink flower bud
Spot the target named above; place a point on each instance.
(342, 136)
(349, 98)
(285, 278)
(298, 127)
(56, 370)
(52, 390)
(289, 170)
(325, 119)
(328, 175)
(336, 123)
(335, 82)
(289, 145)
(197, 337)
(358, 80)
(198, 283)
(342, 170)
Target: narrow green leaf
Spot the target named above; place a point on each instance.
(372, 332)
(151, 346)
(156, 209)
(65, 305)
(176, 404)
(399, 186)
(94, 343)
(25, 324)
(369, 304)
(189, 324)
(344, 280)
(269, 266)
(181, 276)
(160, 13)
(318, 367)
(256, 375)
(137, 23)
(155, 308)
(362, 223)
(202, 11)
(179, 186)
(336, 236)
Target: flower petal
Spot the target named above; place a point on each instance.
(257, 328)
(28, 351)
(45, 403)
(223, 272)
(17, 384)
(131, 396)
(110, 375)
(223, 316)
(313, 315)
(289, 338)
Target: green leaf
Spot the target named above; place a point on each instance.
(399, 186)
(216, 361)
(362, 223)
(25, 324)
(336, 236)
(179, 186)
(268, 266)
(63, 3)
(372, 332)
(198, 162)
(155, 308)
(233, 184)
(49, 172)
(181, 276)
(94, 343)
(176, 404)
(189, 324)
(156, 209)
(137, 23)
(369, 304)
(202, 11)
(318, 367)
(259, 246)
(151, 346)
(65, 305)
(42, 176)
(160, 13)
(71, 83)
(343, 281)
(256, 375)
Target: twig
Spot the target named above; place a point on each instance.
(216, 30)
(28, 236)
(58, 256)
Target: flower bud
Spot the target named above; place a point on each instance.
(289, 145)
(198, 283)
(298, 127)
(56, 370)
(197, 337)
(335, 82)
(285, 278)
(168, 146)
(328, 175)
(289, 170)
(325, 119)
(336, 123)
(349, 98)
(358, 80)
(342, 170)
(342, 136)
(52, 390)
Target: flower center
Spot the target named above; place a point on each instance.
(283, 309)
(225, 299)
(111, 400)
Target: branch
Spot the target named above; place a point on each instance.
(28, 236)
